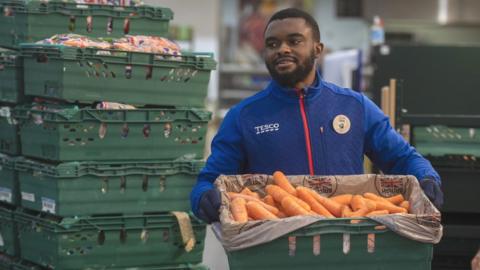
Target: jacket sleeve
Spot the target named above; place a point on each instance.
(388, 150)
(227, 156)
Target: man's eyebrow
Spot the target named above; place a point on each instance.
(293, 35)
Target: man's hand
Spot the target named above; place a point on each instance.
(209, 206)
(433, 191)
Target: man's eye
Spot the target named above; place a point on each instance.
(271, 44)
(295, 41)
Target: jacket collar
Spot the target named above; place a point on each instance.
(290, 94)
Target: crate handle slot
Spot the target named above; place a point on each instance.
(102, 130)
(123, 236)
(371, 243)
(109, 25)
(89, 24)
(144, 235)
(42, 58)
(128, 72)
(71, 23)
(346, 243)
(101, 237)
(126, 26)
(292, 246)
(104, 187)
(163, 183)
(125, 130)
(167, 130)
(145, 183)
(316, 245)
(146, 130)
(123, 184)
(149, 73)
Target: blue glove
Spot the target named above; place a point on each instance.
(432, 189)
(209, 206)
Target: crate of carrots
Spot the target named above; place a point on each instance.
(339, 222)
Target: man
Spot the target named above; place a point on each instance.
(301, 124)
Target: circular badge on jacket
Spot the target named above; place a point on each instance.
(341, 124)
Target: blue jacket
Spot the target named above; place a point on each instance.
(266, 132)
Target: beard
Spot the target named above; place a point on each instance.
(290, 79)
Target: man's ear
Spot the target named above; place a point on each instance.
(318, 49)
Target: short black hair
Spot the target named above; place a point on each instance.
(297, 13)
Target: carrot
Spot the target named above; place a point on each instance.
(346, 211)
(406, 205)
(279, 193)
(233, 195)
(258, 212)
(292, 208)
(282, 181)
(281, 214)
(358, 202)
(247, 191)
(269, 200)
(317, 208)
(390, 207)
(371, 205)
(344, 199)
(396, 199)
(332, 206)
(360, 212)
(239, 209)
(378, 213)
(375, 197)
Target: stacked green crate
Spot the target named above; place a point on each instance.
(30, 21)
(105, 188)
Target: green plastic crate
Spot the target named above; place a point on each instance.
(72, 134)
(303, 250)
(29, 266)
(106, 242)
(88, 188)
(440, 140)
(88, 75)
(31, 21)
(9, 136)
(6, 262)
(11, 77)
(9, 190)
(8, 232)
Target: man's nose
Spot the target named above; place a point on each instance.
(284, 48)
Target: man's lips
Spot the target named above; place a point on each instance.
(285, 62)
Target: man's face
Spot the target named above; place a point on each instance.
(290, 51)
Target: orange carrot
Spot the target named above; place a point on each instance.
(344, 199)
(281, 214)
(292, 208)
(358, 202)
(378, 213)
(239, 210)
(371, 205)
(247, 191)
(317, 208)
(390, 207)
(346, 211)
(269, 200)
(375, 197)
(360, 212)
(332, 206)
(279, 193)
(406, 205)
(397, 199)
(282, 181)
(233, 195)
(258, 212)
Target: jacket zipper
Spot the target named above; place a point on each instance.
(306, 131)
(324, 149)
